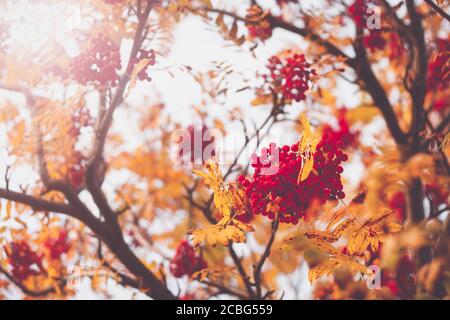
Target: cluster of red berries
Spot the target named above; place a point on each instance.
(343, 136)
(436, 194)
(58, 245)
(80, 118)
(200, 143)
(374, 40)
(280, 194)
(443, 44)
(396, 48)
(398, 203)
(358, 12)
(439, 71)
(261, 31)
(186, 262)
(440, 105)
(401, 282)
(24, 261)
(77, 170)
(292, 74)
(143, 54)
(99, 63)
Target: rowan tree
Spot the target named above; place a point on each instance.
(352, 200)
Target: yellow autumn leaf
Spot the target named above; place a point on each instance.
(327, 267)
(345, 227)
(8, 211)
(307, 134)
(371, 233)
(364, 114)
(17, 135)
(172, 7)
(134, 74)
(183, 3)
(307, 166)
(261, 100)
(306, 147)
(223, 233)
(227, 198)
(445, 142)
(212, 273)
(317, 239)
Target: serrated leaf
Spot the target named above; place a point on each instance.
(141, 65)
(371, 233)
(307, 134)
(227, 198)
(327, 267)
(306, 147)
(307, 166)
(212, 274)
(223, 233)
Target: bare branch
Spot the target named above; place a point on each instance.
(262, 260)
(38, 204)
(25, 289)
(419, 67)
(438, 9)
(224, 289)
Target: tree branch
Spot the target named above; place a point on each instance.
(365, 73)
(418, 87)
(266, 254)
(438, 9)
(224, 289)
(25, 289)
(38, 204)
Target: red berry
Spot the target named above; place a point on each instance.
(58, 245)
(99, 63)
(282, 192)
(398, 204)
(374, 40)
(343, 135)
(24, 261)
(291, 76)
(439, 71)
(358, 11)
(185, 261)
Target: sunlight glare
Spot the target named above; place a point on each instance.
(34, 24)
